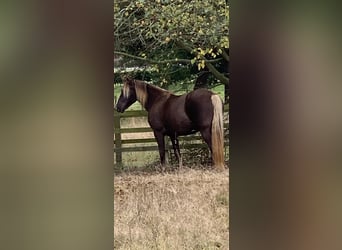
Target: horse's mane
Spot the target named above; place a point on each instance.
(141, 90)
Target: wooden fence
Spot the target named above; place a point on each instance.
(192, 141)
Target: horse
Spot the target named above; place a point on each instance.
(175, 115)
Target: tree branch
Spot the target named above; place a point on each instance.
(177, 60)
(216, 73)
(184, 46)
(225, 55)
(210, 67)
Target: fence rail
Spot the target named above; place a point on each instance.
(192, 141)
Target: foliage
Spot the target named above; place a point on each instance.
(173, 33)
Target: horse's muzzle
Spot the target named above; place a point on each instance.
(118, 109)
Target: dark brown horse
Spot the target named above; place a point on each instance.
(172, 115)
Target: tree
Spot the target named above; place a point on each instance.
(174, 32)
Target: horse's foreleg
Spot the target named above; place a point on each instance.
(161, 146)
(175, 145)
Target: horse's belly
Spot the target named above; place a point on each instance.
(181, 127)
(187, 132)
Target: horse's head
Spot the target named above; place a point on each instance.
(128, 95)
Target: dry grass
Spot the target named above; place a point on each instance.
(186, 210)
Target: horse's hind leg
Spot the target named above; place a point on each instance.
(206, 135)
(175, 145)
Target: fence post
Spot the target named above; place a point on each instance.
(117, 135)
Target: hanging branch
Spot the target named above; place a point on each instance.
(176, 60)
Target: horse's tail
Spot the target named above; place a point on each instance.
(217, 140)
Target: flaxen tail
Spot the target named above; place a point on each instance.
(217, 140)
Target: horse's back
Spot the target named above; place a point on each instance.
(183, 114)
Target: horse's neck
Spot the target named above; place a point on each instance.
(155, 94)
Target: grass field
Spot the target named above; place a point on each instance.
(173, 210)
(186, 210)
